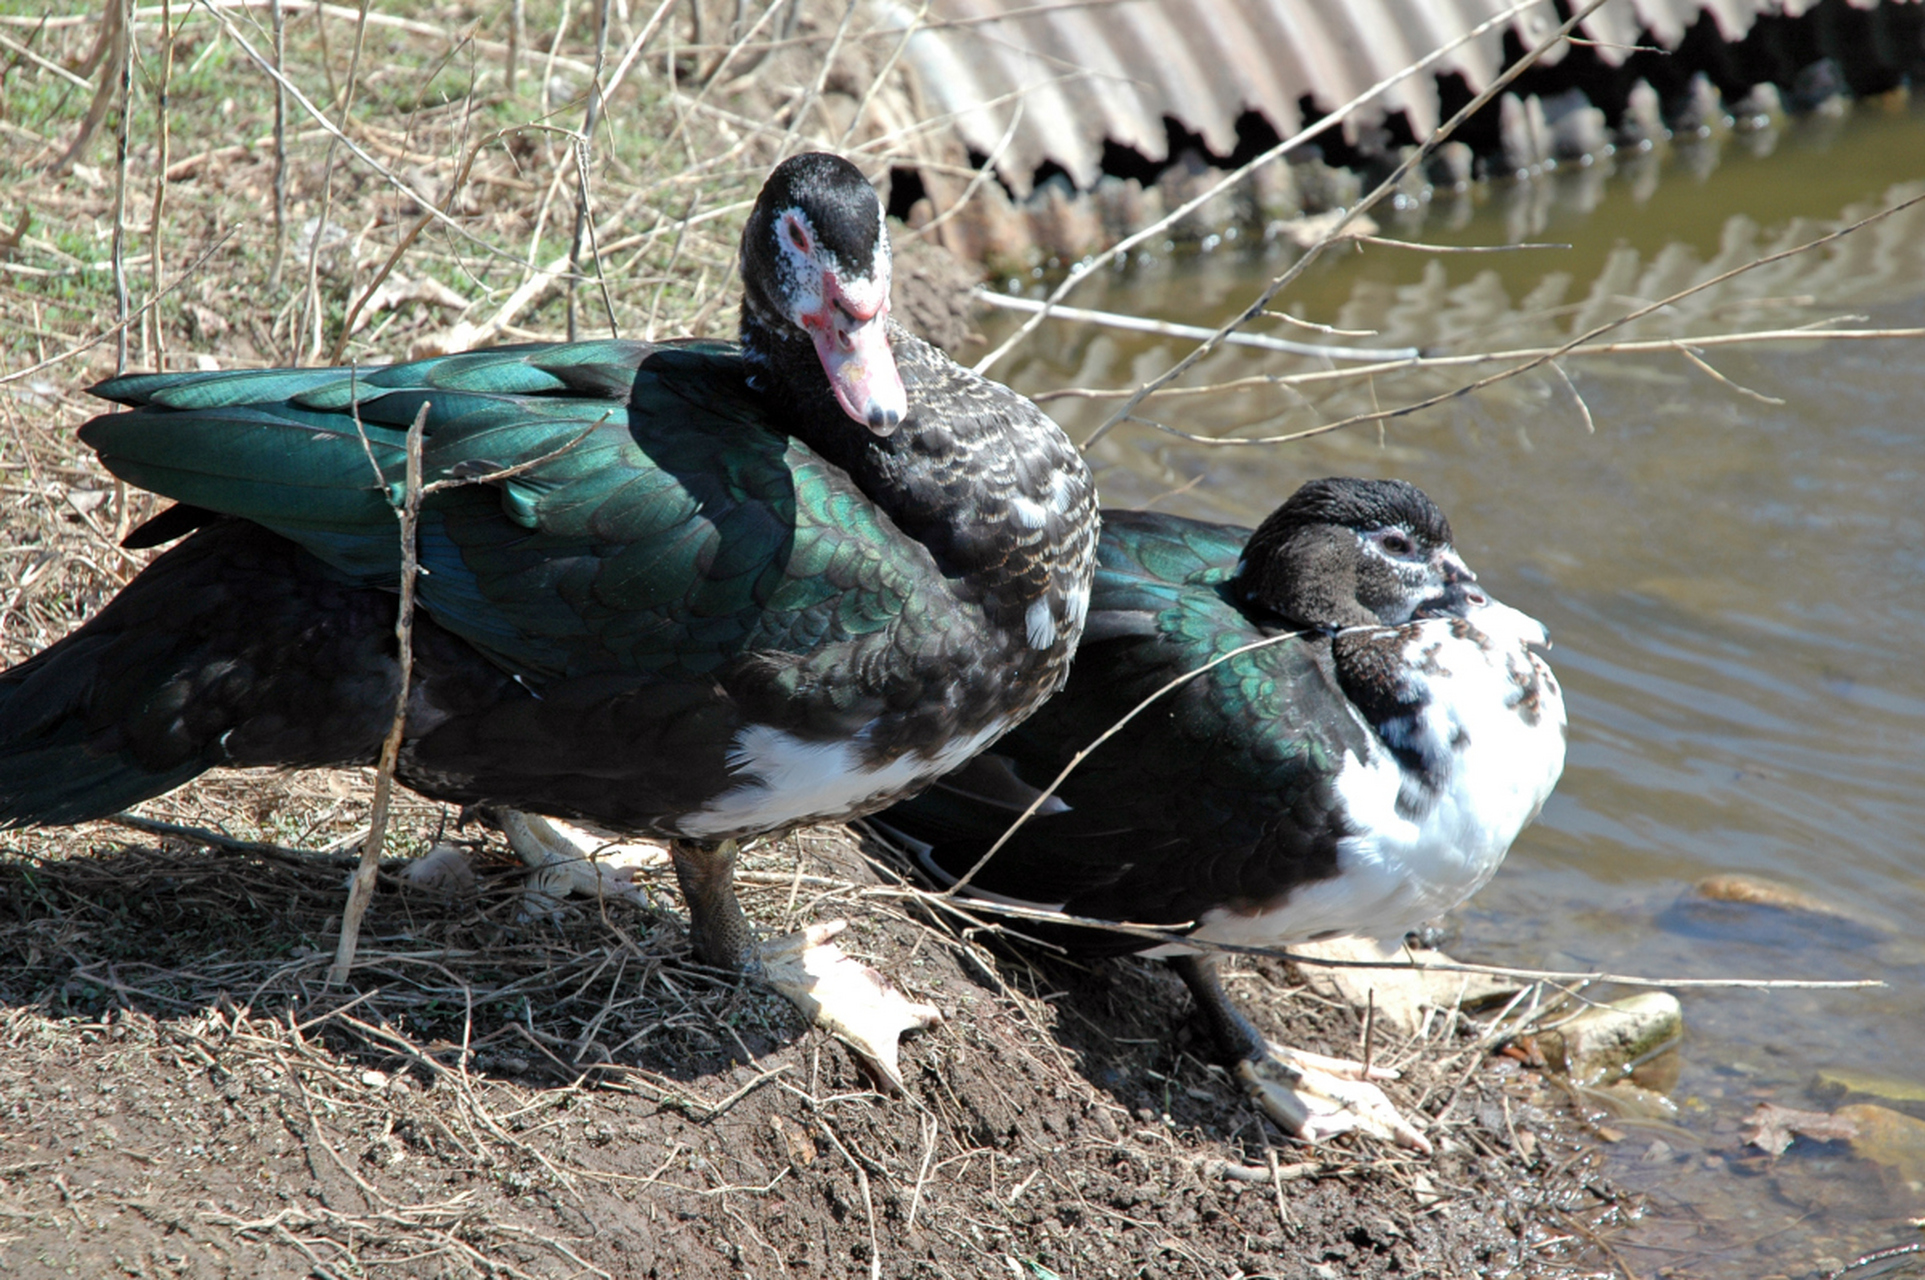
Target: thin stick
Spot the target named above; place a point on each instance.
(158, 345)
(1370, 1025)
(1551, 354)
(1635, 346)
(868, 1203)
(983, 173)
(1577, 398)
(517, 33)
(125, 72)
(209, 837)
(801, 105)
(280, 150)
(1143, 324)
(111, 50)
(52, 68)
(1167, 934)
(637, 47)
(1451, 248)
(581, 162)
(1276, 1180)
(333, 130)
(120, 326)
(1043, 797)
(311, 310)
(363, 887)
(1706, 366)
(420, 224)
(881, 77)
(922, 1172)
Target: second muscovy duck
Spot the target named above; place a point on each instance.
(1364, 767)
(693, 589)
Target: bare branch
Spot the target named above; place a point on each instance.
(1142, 324)
(362, 888)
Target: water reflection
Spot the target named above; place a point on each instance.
(1728, 545)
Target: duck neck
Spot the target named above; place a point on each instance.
(976, 474)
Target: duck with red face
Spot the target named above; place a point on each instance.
(695, 590)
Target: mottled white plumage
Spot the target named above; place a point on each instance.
(1493, 712)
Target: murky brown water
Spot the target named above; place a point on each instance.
(1736, 589)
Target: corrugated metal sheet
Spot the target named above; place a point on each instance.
(1034, 80)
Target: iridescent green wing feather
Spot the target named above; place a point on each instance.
(652, 520)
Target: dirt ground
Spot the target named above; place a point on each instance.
(181, 1095)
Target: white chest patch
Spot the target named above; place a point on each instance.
(786, 780)
(1495, 713)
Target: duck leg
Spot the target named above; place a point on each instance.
(1309, 1095)
(844, 996)
(841, 994)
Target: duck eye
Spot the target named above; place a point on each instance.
(798, 237)
(1395, 543)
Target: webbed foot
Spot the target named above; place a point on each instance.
(563, 859)
(844, 996)
(1315, 1098)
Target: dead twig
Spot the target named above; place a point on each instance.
(124, 72)
(1547, 355)
(311, 310)
(110, 54)
(280, 148)
(1145, 324)
(962, 882)
(156, 218)
(363, 886)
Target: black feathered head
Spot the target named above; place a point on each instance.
(1345, 552)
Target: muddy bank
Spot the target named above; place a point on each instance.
(184, 1097)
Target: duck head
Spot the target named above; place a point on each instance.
(1344, 552)
(815, 269)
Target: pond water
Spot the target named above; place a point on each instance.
(1731, 563)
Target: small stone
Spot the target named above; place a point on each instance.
(1606, 1043)
(1760, 891)
(1888, 1138)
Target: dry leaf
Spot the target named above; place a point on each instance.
(1770, 1127)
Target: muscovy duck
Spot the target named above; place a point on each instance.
(694, 589)
(1362, 773)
